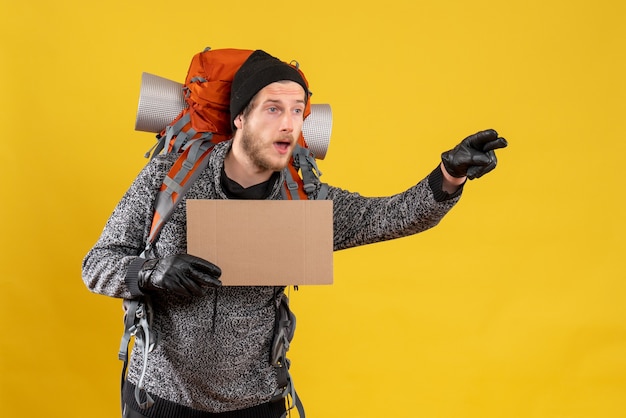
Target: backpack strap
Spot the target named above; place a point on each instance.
(292, 190)
(178, 180)
(322, 194)
(303, 158)
(138, 311)
(284, 329)
(297, 188)
(176, 130)
(170, 132)
(137, 319)
(297, 403)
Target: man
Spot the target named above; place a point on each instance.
(212, 353)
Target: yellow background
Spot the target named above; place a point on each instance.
(512, 307)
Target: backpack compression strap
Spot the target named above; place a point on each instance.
(137, 323)
(284, 329)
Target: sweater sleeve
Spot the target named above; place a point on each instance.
(362, 220)
(110, 267)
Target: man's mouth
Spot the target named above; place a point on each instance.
(282, 146)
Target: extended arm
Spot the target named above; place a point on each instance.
(359, 220)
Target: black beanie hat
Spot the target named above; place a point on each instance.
(258, 71)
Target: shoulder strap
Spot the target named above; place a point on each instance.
(178, 181)
(300, 186)
(303, 158)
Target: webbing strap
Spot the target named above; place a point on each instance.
(195, 159)
(156, 148)
(284, 329)
(196, 148)
(172, 186)
(181, 138)
(191, 157)
(143, 342)
(291, 396)
(130, 307)
(297, 403)
(175, 129)
(136, 324)
(323, 192)
(193, 151)
(308, 167)
(292, 186)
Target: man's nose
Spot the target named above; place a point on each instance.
(286, 123)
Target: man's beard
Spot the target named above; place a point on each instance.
(254, 148)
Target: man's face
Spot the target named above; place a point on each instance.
(269, 132)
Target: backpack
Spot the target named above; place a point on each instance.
(203, 122)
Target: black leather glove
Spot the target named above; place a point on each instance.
(474, 156)
(182, 274)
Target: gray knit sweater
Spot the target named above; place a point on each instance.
(213, 351)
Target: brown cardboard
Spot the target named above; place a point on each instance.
(264, 242)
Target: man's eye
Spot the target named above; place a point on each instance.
(272, 109)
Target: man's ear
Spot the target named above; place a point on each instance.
(238, 122)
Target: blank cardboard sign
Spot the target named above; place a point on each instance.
(264, 242)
